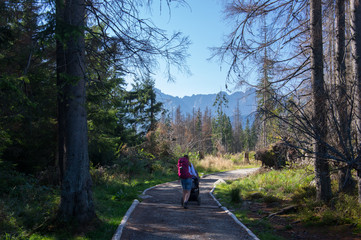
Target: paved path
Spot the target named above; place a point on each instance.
(161, 217)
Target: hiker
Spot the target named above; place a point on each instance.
(194, 174)
(192, 170)
(185, 177)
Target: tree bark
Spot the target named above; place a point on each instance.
(345, 177)
(76, 190)
(323, 183)
(60, 76)
(356, 57)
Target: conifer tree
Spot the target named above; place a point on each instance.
(76, 194)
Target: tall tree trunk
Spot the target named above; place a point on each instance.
(356, 56)
(60, 75)
(323, 183)
(345, 177)
(76, 193)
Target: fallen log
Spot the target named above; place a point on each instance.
(289, 209)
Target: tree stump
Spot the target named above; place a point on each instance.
(246, 157)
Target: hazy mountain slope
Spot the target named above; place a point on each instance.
(247, 103)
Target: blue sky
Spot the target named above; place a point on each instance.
(203, 21)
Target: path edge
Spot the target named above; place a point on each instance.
(118, 233)
(229, 212)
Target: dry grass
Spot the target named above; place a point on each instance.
(223, 163)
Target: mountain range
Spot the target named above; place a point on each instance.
(247, 103)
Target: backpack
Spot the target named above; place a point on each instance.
(183, 168)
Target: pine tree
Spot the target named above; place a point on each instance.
(237, 130)
(76, 194)
(207, 131)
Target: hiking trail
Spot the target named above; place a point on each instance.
(160, 215)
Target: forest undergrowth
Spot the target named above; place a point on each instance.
(29, 203)
(275, 203)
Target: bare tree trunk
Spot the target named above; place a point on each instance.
(345, 177)
(76, 193)
(319, 103)
(356, 57)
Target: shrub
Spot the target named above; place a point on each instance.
(235, 194)
(274, 157)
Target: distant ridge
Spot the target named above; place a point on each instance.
(247, 103)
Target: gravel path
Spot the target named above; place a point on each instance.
(160, 216)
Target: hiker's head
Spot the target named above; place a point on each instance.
(186, 156)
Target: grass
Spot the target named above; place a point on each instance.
(26, 204)
(285, 187)
(212, 164)
(113, 199)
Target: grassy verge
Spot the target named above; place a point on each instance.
(114, 197)
(252, 199)
(26, 206)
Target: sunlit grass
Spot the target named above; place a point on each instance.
(290, 186)
(211, 164)
(279, 184)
